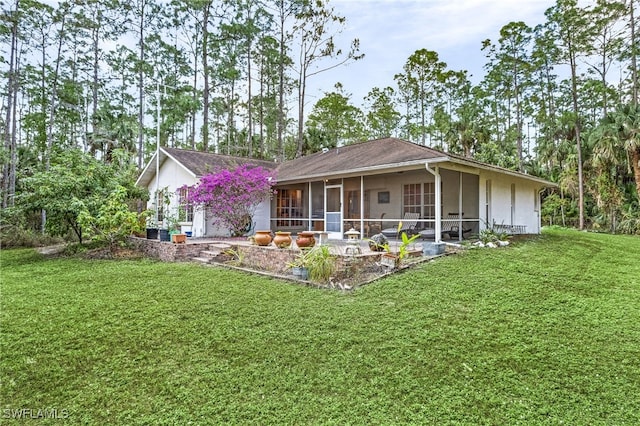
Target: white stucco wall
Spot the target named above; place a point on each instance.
(171, 177)
(527, 209)
(261, 219)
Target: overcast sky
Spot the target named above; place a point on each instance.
(391, 30)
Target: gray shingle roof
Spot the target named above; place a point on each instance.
(202, 163)
(358, 156)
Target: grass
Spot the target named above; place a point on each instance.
(542, 332)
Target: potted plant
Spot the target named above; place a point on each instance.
(393, 260)
(152, 229)
(321, 263)
(299, 266)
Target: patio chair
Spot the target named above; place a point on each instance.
(451, 226)
(375, 227)
(409, 223)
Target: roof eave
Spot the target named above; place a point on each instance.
(480, 165)
(363, 170)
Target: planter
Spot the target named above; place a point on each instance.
(179, 238)
(164, 235)
(262, 238)
(282, 239)
(305, 239)
(433, 249)
(152, 233)
(304, 273)
(390, 260)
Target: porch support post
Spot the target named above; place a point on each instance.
(438, 182)
(361, 206)
(309, 212)
(460, 208)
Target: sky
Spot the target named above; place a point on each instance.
(392, 30)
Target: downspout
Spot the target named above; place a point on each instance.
(436, 173)
(362, 207)
(460, 228)
(309, 211)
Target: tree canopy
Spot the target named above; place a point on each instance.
(557, 100)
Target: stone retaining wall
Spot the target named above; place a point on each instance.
(270, 259)
(167, 251)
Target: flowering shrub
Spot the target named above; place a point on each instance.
(232, 195)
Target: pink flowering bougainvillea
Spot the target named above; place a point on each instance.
(233, 195)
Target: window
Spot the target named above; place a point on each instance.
(289, 205)
(513, 204)
(185, 210)
(160, 205)
(412, 198)
(420, 198)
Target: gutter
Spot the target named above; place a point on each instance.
(357, 171)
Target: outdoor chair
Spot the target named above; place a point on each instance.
(375, 227)
(409, 223)
(451, 226)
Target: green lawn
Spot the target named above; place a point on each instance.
(542, 332)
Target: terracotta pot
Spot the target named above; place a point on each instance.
(305, 239)
(282, 239)
(262, 238)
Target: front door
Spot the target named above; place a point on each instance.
(333, 211)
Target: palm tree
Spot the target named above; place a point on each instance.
(623, 127)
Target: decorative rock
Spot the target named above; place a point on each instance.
(433, 249)
(377, 242)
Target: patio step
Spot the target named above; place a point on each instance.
(210, 255)
(219, 247)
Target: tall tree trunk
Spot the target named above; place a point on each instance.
(8, 170)
(280, 125)
(205, 70)
(574, 98)
(635, 157)
(192, 137)
(302, 87)
(249, 108)
(141, 91)
(634, 54)
(52, 109)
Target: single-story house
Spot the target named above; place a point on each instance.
(370, 186)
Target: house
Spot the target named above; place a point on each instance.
(174, 168)
(370, 186)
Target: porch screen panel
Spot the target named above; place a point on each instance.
(289, 205)
(429, 202)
